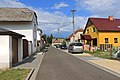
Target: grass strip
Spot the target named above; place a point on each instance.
(14, 74)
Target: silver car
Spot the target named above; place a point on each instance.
(75, 47)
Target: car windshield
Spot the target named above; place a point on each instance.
(77, 44)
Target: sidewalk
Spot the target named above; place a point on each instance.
(112, 65)
(32, 62)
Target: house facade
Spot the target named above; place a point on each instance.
(57, 41)
(103, 31)
(39, 39)
(22, 21)
(11, 48)
(77, 36)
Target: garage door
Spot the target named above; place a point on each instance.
(25, 48)
(14, 50)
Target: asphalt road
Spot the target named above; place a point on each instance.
(58, 65)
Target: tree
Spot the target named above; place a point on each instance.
(49, 40)
(64, 43)
(44, 37)
(51, 36)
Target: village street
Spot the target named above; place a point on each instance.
(58, 65)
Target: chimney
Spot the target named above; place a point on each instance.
(111, 18)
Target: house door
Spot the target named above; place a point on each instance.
(25, 48)
(14, 50)
(95, 42)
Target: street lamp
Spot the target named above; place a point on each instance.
(73, 24)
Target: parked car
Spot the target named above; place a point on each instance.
(57, 45)
(75, 47)
(63, 47)
(116, 54)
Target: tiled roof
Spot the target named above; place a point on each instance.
(79, 30)
(104, 24)
(57, 40)
(11, 33)
(86, 37)
(16, 14)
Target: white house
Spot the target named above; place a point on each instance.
(77, 36)
(39, 37)
(57, 41)
(11, 48)
(22, 21)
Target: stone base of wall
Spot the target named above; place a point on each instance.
(88, 48)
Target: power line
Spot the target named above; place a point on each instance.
(62, 26)
(58, 27)
(52, 22)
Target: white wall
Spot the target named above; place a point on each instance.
(29, 47)
(77, 36)
(38, 36)
(20, 49)
(10, 51)
(6, 51)
(24, 28)
(5, 59)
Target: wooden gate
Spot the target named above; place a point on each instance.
(25, 48)
(14, 50)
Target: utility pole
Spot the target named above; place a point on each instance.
(73, 24)
(58, 34)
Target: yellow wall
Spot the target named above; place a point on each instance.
(102, 35)
(92, 34)
(110, 36)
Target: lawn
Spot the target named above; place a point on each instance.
(14, 74)
(100, 54)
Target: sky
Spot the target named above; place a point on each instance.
(56, 14)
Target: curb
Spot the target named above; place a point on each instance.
(30, 74)
(33, 76)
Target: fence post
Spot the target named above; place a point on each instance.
(110, 52)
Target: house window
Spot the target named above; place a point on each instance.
(87, 31)
(94, 30)
(106, 40)
(115, 40)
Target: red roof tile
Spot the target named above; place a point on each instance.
(79, 30)
(104, 24)
(86, 37)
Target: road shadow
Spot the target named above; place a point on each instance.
(77, 53)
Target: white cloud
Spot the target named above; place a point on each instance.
(45, 16)
(60, 5)
(11, 3)
(100, 7)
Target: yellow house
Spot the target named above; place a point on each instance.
(102, 31)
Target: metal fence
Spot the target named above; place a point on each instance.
(104, 47)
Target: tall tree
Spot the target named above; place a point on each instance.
(44, 37)
(51, 36)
